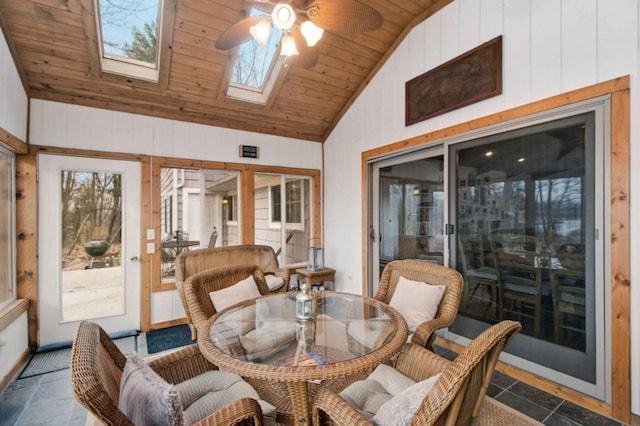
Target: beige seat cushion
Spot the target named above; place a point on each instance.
(208, 392)
(399, 410)
(274, 282)
(368, 395)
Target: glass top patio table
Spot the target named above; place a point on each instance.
(262, 339)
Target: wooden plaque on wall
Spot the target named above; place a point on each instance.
(471, 77)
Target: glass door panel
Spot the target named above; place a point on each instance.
(407, 211)
(525, 241)
(283, 216)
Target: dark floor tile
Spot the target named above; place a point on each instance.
(535, 395)
(24, 383)
(557, 420)
(583, 416)
(493, 390)
(502, 380)
(523, 405)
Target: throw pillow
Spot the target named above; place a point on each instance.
(145, 398)
(400, 409)
(416, 301)
(239, 292)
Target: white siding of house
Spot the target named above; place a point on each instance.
(549, 47)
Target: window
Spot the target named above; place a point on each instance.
(129, 37)
(256, 67)
(293, 205)
(7, 228)
(231, 205)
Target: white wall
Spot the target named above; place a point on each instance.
(72, 126)
(13, 98)
(549, 47)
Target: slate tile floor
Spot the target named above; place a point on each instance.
(48, 400)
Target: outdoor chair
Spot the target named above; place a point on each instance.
(191, 262)
(420, 387)
(180, 387)
(430, 301)
(225, 281)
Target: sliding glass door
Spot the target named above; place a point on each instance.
(407, 217)
(524, 206)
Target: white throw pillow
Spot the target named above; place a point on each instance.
(400, 409)
(416, 301)
(239, 292)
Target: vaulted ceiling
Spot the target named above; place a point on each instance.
(54, 46)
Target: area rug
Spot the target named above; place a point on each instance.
(59, 359)
(168, 338)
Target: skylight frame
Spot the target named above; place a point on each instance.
(274, 74)
(129, 67)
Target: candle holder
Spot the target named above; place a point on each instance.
(305, 303)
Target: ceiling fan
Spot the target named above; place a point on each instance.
(302, 23)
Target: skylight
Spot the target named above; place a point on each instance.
(129, 37)
(257, 67)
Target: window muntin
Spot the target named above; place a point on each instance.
(7, 228)
(129, 37)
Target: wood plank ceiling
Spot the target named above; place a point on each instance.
(54, 46)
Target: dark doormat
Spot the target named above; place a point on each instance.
(168, 338)
(59, 359)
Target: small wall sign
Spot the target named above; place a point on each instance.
(248, 151)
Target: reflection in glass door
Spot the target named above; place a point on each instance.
(408, 211)
(526, 243)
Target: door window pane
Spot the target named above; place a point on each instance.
(199, 208)
(290, 240)
(412, 211)
(525, 238)
(91, 244)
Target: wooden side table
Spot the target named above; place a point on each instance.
(317, 277)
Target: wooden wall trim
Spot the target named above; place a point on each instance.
(248, 207)
(146, 222)
(13, 143)
(27, 242)
(618, 89)
(620, 257)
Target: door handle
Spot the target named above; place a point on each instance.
(372, 235)
(134, 258)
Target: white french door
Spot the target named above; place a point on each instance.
(89, 245)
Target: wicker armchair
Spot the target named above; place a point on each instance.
(456, 396)
(430, 273)
(96, 371)
(191, 262)
(198, 286)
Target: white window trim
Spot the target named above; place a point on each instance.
(12, 231)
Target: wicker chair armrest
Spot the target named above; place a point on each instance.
(285, 275)
(180, 365)
(329, 404)
(234, 413)
(419, 363)
(425, 332)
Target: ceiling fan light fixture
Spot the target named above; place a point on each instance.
(288, 47)
(311, 33)
(261, 32)
(283, 16)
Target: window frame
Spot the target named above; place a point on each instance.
(10, 248)
(289, 225)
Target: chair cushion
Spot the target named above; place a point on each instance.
(274, 282)
(265, 340)
(239, 292)
(400, 409)
(145, 398)
(368, 395)
(208, 392)
(416, 301)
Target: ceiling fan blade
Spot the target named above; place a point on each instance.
(344, 16)
(238, 33)
(307, 56)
